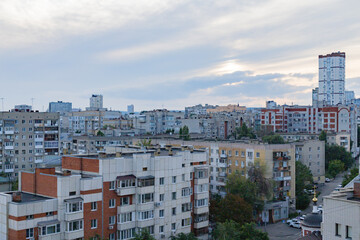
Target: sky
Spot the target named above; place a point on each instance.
(172, 54)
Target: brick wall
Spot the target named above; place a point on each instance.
(78, 163)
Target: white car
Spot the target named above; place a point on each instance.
(295, 224)
(327, 180)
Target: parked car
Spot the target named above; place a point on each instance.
(320, 209)
(295, 224)
(327, 180)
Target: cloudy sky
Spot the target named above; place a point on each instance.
(171, 54)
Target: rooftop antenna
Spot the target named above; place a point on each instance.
(2, 104)
(32, 103)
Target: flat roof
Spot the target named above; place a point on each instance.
(29, 197)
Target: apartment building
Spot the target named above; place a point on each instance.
(332, 79)
(60, 107)
(164, 191)
(305, 119)
(96, 103)
(26, 138)
(228, 157)
(341, 216)
(158, 121)
(312, 154)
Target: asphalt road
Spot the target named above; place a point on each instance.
(281, 231)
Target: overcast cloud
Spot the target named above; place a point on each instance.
(157, 53)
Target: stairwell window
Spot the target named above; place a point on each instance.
(29, 233)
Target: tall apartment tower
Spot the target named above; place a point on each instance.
(332, 79)
(96, 101)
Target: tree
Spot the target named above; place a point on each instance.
(335, 152)
(184, 133)
(323, 136)
(303, 176)
(183, 236)
(335, 167)
(354, 172)
(239, 185)
(263, 185)
(144, 142)
(144, 235)
(273, 139)
(100, 133)
(231, 230)
(244, 131)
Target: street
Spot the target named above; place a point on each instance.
(281, 231)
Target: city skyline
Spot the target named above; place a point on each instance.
(220, 53)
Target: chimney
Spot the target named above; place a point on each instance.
(16, 196)
(66, 173)
(357, 189)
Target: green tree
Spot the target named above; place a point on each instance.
(335, 167)
(144, 142)
(354, 172)
(273, 139)
(183, 236)
(303, 176)
(184, 133)
(231, 230)
(100, 133)
(239, 185)
(263, 185)
(335, 152)
(323, 136)
(143, 235)
(244, 131)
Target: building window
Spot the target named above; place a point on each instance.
(161, 213)
(173, 195)
(201, 202)
(124, 201)
(161, 181)
(93, 206)
(236, 163)
(146, 215)
(145, 198)
(185, 192)
(112, 236)
(161, 229)
(257, 155)
(173, 226)
(337, 229)
(28, 217)
(236, 153)
(51, 229)
(173, 211)
(183, 177)
(29, 233)
(242, 154)
(161, 197)
(174, 179)
(74, 225)
(49, 214)
(186, 207)
(93, 223)
(186, 222)
(126, 217)
(126, 234)
(348, 232)
(112, 185)
(74, 207)
(111, 220)
(112, 203)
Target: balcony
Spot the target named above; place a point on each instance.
(222, 164)
(222, 174)
(126, 208)
(9, 147)
(126, 191)
(201, 224)
(9, 132)
(74, 235)
(201, 210)
(127, 225)
(38, 160)
(9, 170)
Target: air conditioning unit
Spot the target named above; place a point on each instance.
(111, 227)
(162, 236)
(157, 204)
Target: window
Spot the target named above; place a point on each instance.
(126, 217)
(126, 183)
(348, 232)
(161, 213)
(173, 211)
(183, 177)
(161, 197)
(242, 154)
(124, 201)
(28, 217)
(161, 181)
(49, 214)
(174, 179)
(257, 155)
(236, 163)
(146, 182)
(112, 185)
(93, 223)
(111, 220)
(145, 215)
(185, 207)
(173, 226)
(202, 187)
(145, 198)
(201, 202)
(112, 236)
(186, 222)
(149, 229)
(173, 195)
(337, 229)
(72, 193)
(112, 203)
(186, 192)
(74, 207)
(236, 153)
(29, 233)
(50, 229)
(74, 225)
(161, 229)
(93, 206)
(126, 234)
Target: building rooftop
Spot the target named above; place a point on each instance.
(28, 197)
